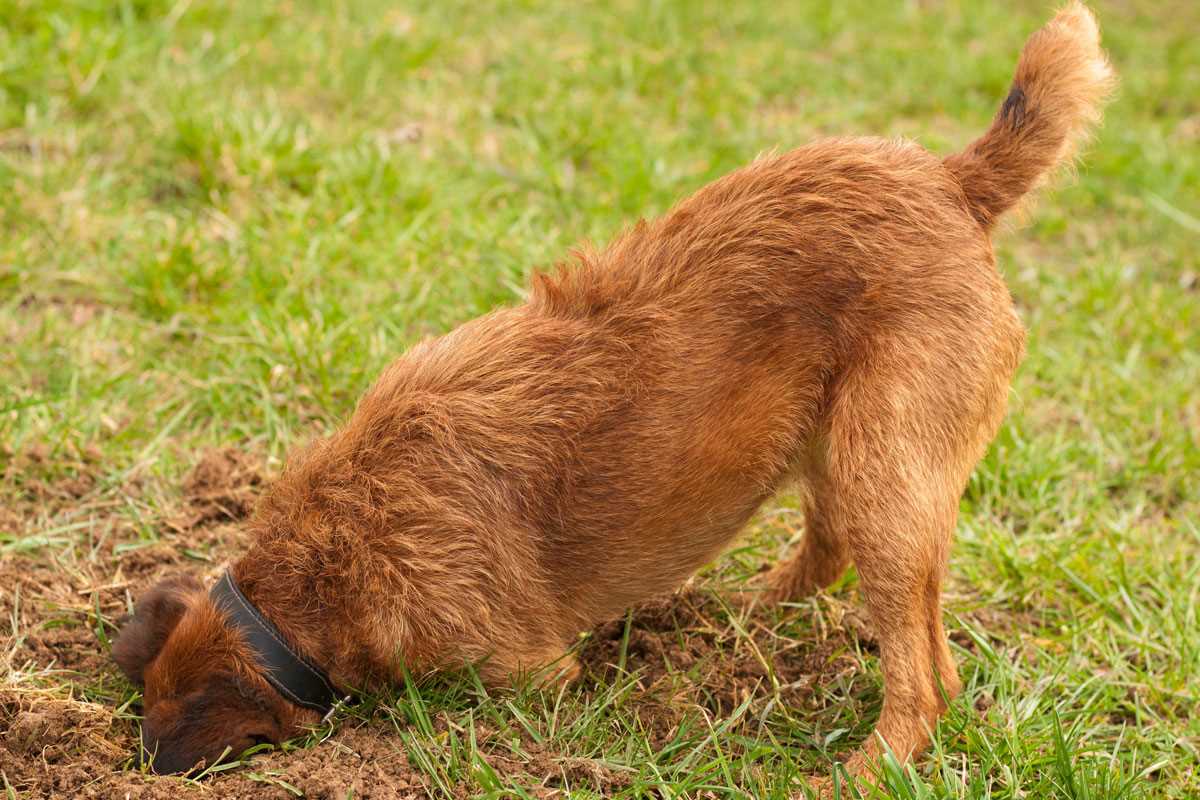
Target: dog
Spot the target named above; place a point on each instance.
(831, 317)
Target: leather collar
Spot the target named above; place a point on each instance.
(293, 675)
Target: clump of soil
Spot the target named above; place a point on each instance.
(53, 728)
(71, 648)
(223, 486)
(363, 761)
(219, 493)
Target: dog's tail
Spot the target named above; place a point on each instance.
(1060, 87)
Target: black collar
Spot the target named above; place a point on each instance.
(296, 678)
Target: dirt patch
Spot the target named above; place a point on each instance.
(684, 654)
(54, 728)
(68, 647)
(690, 651)
(63, 603)
(40, 485)
(223, 486)
(64, 599)
(54, 616)
(356, 762)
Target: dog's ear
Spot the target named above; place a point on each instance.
(154, 617)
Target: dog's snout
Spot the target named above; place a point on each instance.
(163, 757)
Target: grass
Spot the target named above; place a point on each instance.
(219, 220)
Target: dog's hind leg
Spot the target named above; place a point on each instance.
(902, 442)
(899, 539)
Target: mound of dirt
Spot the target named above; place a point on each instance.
(54, 728)
(223, 486)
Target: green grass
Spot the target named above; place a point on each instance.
(219, 220)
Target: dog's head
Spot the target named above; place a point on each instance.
(202, 693)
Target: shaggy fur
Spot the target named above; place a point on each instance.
(832, 316)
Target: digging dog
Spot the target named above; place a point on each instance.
(831, 317)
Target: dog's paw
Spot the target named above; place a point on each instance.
(844, 781)
(858, 776)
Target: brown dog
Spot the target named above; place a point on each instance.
(832, 315)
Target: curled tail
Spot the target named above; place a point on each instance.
(1056, 97)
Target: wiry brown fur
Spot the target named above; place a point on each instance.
(831, 315)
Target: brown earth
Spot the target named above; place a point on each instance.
(63, 733)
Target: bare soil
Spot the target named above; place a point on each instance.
(62, 733)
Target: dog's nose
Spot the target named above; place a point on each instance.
(164, 759)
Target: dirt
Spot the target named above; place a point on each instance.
(63, 735)
(54, 740)
(361, 761)
(686, 653)
(544, 772)
(223, 486)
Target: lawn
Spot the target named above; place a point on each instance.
(219, 220)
